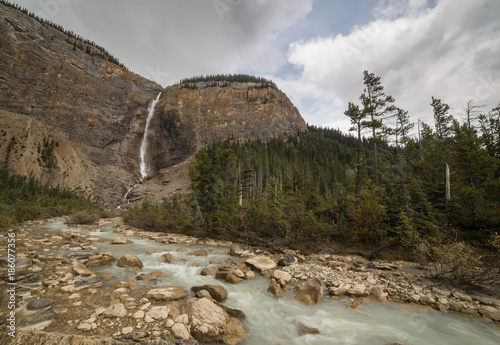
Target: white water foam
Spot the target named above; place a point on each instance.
(143, 164)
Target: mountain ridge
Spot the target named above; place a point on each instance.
(98, 109)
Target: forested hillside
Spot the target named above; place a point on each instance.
(383, 189)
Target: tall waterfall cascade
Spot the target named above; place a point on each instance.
(144, 165)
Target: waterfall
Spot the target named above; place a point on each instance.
(143, 165)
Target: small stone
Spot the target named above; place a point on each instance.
(127, 330)
(180, 331)
(169, 323)
(184, 319)
(139, 314)
(203, 293)
(303, 330)
(100, 310)
(158, 312)
(115, 310)
(168, 257)
(250, 275)
(85, 326)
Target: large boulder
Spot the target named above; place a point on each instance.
(287, 260)
(261, 263)
(167, 293)
(377, 293)
(199, 252)
(217, 292)
(130, 261)
(210, 323)
(37, 321)
(357, 290)
(281, 275)
(274, 288)
(314, 288)
(39, 303)
(237, 249)
(120, 240)
(490, 312)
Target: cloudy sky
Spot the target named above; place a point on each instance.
(315, 50)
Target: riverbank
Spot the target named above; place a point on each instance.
(62, 287)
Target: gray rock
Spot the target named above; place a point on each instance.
(37, 321)
(485, 299)
(82, 284)
(67, 254)
(20, 262)
(39, 303)
(237, 249)
(287, 260)
(32, 282)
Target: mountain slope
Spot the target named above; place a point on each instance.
(98, 110)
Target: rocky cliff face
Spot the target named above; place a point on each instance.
(89, 105)
(189, 119)
(55, 89)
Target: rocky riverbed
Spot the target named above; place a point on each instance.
(62, 292)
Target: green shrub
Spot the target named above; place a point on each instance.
(84, 217)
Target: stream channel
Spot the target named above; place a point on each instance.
(276, 321)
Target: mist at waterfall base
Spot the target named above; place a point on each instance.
(277, 321)
(144, 166)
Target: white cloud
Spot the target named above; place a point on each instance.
(175, 39)
(449, 51)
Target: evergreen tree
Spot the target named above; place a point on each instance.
(376, 106)
(442, 120)
(356, 117)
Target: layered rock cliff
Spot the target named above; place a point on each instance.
(60, 98)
